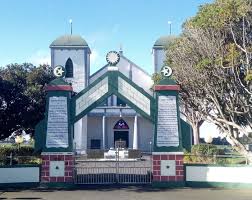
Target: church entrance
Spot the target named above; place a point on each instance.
(121, 134)
(121, 139)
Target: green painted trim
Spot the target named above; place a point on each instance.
(19, 166)
(167, 149)
(20, 185)
(134, 85)
(171, 184)
(89, 108)
(217, 165)
(217, 184)
(186, 131)
(113, 90)
(150, 117)
(39, 136)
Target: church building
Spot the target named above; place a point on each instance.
(113, 120)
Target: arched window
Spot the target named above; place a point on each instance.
(121, 124)
(69, 68)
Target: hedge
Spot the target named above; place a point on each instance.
(20, 155)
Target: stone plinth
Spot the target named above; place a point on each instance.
(57, 168)
(168, 167)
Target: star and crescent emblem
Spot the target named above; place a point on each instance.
(166, 71)
(59, 71)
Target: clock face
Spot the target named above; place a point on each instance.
(113, 58)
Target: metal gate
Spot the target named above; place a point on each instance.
(113, 171)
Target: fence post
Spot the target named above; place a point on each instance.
(11, 158)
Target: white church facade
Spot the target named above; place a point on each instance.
(113, 120)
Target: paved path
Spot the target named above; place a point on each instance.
(130, 193)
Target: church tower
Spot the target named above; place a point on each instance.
(72, 52)
(159, 51)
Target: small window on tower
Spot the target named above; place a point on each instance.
(69, 68)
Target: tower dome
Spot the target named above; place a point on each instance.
(163, 41)
(69, 41)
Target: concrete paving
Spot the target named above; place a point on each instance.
(129, 193)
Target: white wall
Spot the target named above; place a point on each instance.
(146, 129)
(19, 175)
(219, 174)
(94, 130)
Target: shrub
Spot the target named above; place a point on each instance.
(206, 150)
(203, 153)
(21, 155)
(6, 150)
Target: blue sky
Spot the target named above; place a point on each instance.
(29, 26)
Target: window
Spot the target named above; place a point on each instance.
(95, 144)
(121, 124)
(69, 68)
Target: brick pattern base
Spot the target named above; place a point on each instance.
(45, 169)
(157, 168)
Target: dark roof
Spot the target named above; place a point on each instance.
(69, 41)
(164, 41)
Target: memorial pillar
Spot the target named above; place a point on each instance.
(57, 149)
(168, 167)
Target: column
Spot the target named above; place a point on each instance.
(84, 134)
(103, 131)
(78, 135)
(135, 136)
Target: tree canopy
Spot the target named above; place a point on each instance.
(211, 61)
(22, 98)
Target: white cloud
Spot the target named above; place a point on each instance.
(40, 57)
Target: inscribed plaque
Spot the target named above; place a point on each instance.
(167, 124)
(57, 124)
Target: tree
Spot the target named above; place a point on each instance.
(22, 98)
(211, 62)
